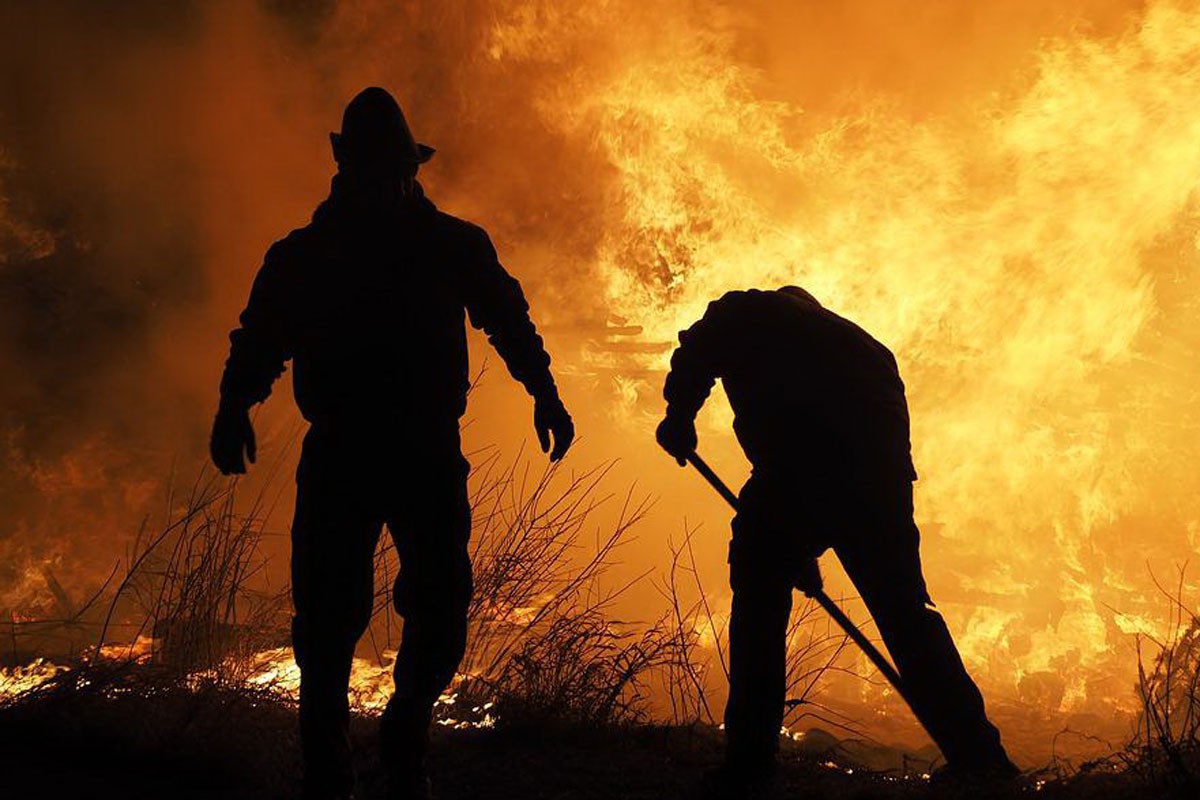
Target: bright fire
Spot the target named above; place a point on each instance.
(1031, 258)
(276, 672)
(1003, 192)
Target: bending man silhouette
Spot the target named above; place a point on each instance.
(368, 302)
(821, 414)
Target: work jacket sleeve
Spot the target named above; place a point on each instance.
(497, 306)
(260, 346)
(699, 360)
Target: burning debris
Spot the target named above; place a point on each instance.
(16, 681)
(273, 672)
(192, 584)
(1007, 195)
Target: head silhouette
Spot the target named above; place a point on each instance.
(375, 149)
(799, 294)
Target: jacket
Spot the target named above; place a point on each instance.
(813, 394)
(372, 316)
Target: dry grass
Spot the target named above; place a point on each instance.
(544, 646)
(541, 642)
(1166, 748)
(814, 649)
(583, 670)
(1162, 758)
(200, 585)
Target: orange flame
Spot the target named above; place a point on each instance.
(1030, 257)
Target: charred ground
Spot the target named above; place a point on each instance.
(129, 733)
(553, 702)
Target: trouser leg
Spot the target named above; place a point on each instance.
(333, 542)
(757, 673)
(432, 593)
(761, 571)
(885, 566)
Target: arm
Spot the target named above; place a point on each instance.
(692, 374)
(497, 306)
(257, 352)
(259, 346)
(695, 366)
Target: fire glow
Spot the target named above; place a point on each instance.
(1031, 258)
(274, 671)
(1026, 244)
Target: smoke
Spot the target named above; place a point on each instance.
(1024, 241)
(1003, 192)
(151, 153)
(99, 250)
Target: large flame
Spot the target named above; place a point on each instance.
(1030, 258)
(1002, 194)
(271, 671)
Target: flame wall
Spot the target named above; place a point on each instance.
(1002, 192)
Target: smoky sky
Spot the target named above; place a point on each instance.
(103, 112)
(149, 153)
(113, 167)
(87, 182)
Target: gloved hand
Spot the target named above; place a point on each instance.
(232, 441)
(550, 417)
(808, 577)
(677, 435)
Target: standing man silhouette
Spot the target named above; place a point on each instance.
(369, 301)
(821, 413)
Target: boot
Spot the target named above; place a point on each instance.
(957, 777)
(404, 741)
(739, 779)
(328, 771)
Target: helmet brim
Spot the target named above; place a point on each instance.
(424, 153)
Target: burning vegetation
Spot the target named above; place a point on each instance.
(545, 654)
(1004, 191)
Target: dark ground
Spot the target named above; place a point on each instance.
(86, 742)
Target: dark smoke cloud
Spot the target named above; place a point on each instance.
(151, 151)
(100, 251)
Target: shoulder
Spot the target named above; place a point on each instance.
(724, 314)
(738, 303)
(853, 335)
(292, 248)
(461, 232)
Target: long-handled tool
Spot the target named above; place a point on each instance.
(877, 658)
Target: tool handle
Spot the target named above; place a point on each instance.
(877, 658)
(833, 609)
(704, 469)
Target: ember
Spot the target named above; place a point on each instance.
(1005, 192)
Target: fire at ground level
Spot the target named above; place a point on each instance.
(208, 742)
(1043, 301)
(865, 725)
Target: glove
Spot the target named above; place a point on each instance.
(551, 417)
(808, 577)
(232, 441)
(677, 435)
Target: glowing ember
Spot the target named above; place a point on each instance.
(1040, 298)
(274, 671)
(1008, 202)
(140, 651)
(18, 680)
